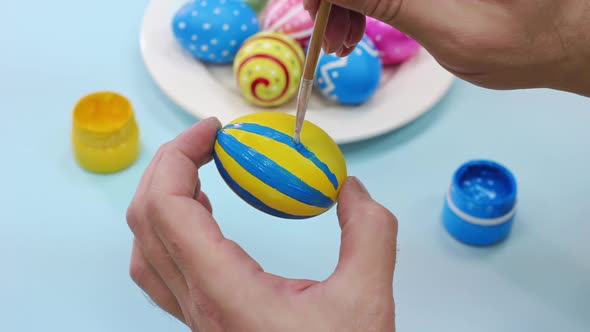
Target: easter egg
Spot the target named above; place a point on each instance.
(256, 156)
(288, 17)
(213, 30)
(352, 79)
(395, 46)
(268, 68)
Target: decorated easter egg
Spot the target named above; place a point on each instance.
(352, 79)
(258, 159)
(395, 46)
(213, 30)
(268, 68)
(288, 17)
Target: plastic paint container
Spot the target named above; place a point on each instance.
(105, 135)
(481, 203)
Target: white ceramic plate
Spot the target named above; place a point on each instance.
(404, 94)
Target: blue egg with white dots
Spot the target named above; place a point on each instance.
(213, 30)
(353, 79)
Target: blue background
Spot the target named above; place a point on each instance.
(65, 245)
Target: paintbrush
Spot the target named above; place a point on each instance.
(309, 68)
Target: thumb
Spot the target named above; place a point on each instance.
(369, 236)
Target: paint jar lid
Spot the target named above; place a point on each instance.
(105, 136)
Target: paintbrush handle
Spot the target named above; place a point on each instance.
(317, 36)
(311, 62)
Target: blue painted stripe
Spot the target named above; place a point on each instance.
(272, 173)
(287, 140)
(248, 197)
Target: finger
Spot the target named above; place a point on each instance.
(146, 178)
(423, 20)
(383, 10)
(355, 34)
(369, 237)
(357, 29)
(337, 29)
(161, 179)
(311, 6)
(184, 138)
(204, 200)
(150, 282)
(139, 219)
(345, 51)
(209, 262)
(184, 155)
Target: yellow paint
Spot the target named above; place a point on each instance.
(312, 137)
(262, 191)
(295, 163)
(266, 75)
(105, 136)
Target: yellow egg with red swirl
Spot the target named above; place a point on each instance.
(268, 68)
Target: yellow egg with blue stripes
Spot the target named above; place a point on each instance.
(258, 159)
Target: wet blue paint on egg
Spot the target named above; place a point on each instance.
(213, 30)
(353, 79)
(258, 159)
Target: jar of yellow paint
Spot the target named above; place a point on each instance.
(105, 135)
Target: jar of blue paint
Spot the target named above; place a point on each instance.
(480, 205)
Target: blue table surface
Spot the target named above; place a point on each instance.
(65, 244)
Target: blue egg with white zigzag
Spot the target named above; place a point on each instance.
(353, 79)
(213, 30)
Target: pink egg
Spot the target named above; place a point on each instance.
(288, 17)
(395, 46)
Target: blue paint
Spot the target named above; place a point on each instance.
(484, 190)
(272, 173)
(248, 197)
(287, 140)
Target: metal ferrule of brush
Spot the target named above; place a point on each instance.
(305, 89)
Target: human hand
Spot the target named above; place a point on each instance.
(183, 262)
(494, 44)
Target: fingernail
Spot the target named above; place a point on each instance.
(326, 46)
(348, 45)
(359, 185)
(215, 120)
(333, 48)
(348, 42)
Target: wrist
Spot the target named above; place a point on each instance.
(573, 75)
(574, 37)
